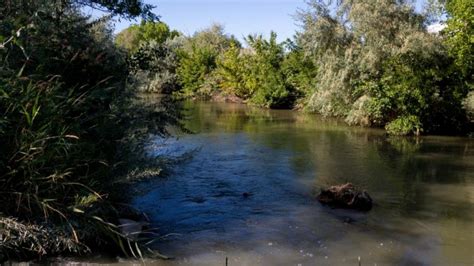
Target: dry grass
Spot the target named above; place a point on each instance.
(23, 239)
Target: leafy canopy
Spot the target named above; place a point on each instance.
(132, 37)
(378, 65)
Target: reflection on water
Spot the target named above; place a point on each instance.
(247, 193)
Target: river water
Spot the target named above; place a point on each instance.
(245, 184)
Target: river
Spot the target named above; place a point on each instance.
(245, 184)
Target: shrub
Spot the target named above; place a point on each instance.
(383, 54)
(154, 66)
(67, 124)
(405, 125)
(255, 73)
(134, 36)
(195, 68)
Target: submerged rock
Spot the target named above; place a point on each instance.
(246, 194)
(130, 228)
(346, 196)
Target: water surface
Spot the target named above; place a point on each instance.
(246, 190)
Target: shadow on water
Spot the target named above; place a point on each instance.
(247, 193)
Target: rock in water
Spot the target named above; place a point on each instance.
(346, 196)
(130, 228)
(246, 194)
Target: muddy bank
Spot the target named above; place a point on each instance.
(221, 97)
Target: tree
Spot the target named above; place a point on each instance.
(299, 71)
(154, 66)
(198, 60)
(213, 38)
(459, 35)
(129, 38)
(377, 65)
(232, 69)
(264, 78)
(195, 68)
(254, 73)
(125, 8)
(132, 37)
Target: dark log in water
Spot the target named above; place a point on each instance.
(346, 196)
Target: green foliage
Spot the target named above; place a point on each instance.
(125, 8)
(195, 68)
(255, 74)
(262, 74)
(152, 56)
(128, 9)
(154, 67)
(148, 31)
(198, 60)
(129, 38)
(370, 64)
(67, 122)
(384, 68)
(427, 89)
(468, 104)
(212, 38)
(299, 71)
(232, 69)
(158, 32)
(265, 79)
(404, 125)
(459, 35)
(459, 38)
(212, 62)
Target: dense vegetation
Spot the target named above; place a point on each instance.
(70, 118)
(384, 69)
(68, 121)
(373, 65)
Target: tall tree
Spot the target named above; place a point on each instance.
(198, 61)
(132, 37)
(459, 35)
(124, 8)
(265, 79)
(379, 66)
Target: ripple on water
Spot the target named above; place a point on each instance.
(247, 193)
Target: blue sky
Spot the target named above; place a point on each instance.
(239, 17)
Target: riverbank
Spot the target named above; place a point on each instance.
(222, 97)
(281, 158)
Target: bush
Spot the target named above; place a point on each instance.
(232, 69)
(469, 106)
(374, 75)
(134, 36)
(405, 125)
(67, 123)
(195, 68)
(154, 66)
(255, 73)
(299, 72)
(198, 61)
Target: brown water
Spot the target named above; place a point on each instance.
(423, 189)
